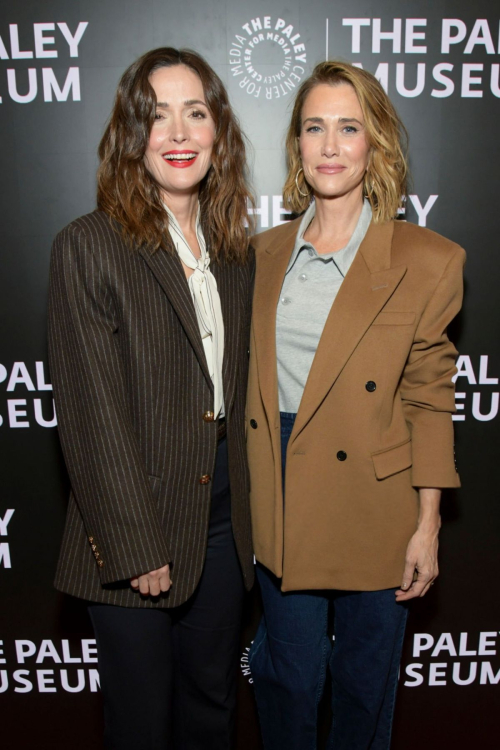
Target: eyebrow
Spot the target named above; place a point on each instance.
(341, 120)
(187, 103)
(350, 119)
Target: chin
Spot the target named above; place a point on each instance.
(329, 194)
(324, 193)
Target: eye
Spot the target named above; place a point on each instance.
(350, 129)
(313, 129)
(197, 114)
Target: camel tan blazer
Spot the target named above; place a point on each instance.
(374, 423)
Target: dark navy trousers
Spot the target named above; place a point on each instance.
(168, 676)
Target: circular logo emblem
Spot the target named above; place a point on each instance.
(267, 58)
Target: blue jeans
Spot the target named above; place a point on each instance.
(291, 652)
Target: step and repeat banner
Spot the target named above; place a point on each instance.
(59, 66)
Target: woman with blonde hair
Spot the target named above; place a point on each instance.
(350, 434)
(149, 319)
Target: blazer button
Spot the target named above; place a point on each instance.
(205, 479)
(341, 455)
(253, 424)
(208, 416)
(371, 386)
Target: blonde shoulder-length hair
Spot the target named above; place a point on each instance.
(385, 181)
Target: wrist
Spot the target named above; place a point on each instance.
(429, 518)
(429, 524)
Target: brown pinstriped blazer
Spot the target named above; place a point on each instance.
(131, 386)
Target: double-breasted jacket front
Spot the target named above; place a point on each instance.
(374, 423)
(134, 398)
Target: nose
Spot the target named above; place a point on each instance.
(178, 131)
(331, 143)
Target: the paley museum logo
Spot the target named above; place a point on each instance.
(267, 57)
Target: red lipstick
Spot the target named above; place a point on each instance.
(180, 159)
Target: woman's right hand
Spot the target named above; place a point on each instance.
(152, 583)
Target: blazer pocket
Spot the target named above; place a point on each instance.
(387, 318)
(392, 460)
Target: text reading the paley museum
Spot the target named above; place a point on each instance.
(20, 379)
(469, 79)
(271, 212)
(48, 666)
(460, 659)
(5, 519)
(480, 403)
(47, 41)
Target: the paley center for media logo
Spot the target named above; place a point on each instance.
(267, 57)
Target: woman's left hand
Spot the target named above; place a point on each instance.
(422, 550)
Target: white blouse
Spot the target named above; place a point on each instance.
(203, 288)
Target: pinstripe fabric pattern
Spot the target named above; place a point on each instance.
(131, 386)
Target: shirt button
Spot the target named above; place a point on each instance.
(311, 252)
(371, 386)
(205, 479)
(285, 300)
(341, 455)
(253, 424)
(303, 277)
(208, 416)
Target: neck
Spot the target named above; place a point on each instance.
(337, 217)
(184, 208)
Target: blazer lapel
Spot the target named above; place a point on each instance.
(169, 273)
(271, 269)
(368, 285)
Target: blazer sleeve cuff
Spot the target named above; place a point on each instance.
(113, 566)
(433, 453)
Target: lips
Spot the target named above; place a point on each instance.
(180, 159)
(330, 168)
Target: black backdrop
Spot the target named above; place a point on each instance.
(59, 66)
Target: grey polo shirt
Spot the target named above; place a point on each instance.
(311, 284)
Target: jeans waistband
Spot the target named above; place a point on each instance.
(287, 416)
(287, 421)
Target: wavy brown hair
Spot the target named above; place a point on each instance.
(385, 182)
(128, 193)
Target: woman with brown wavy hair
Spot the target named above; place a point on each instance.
(149, 321)
(350, 401)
